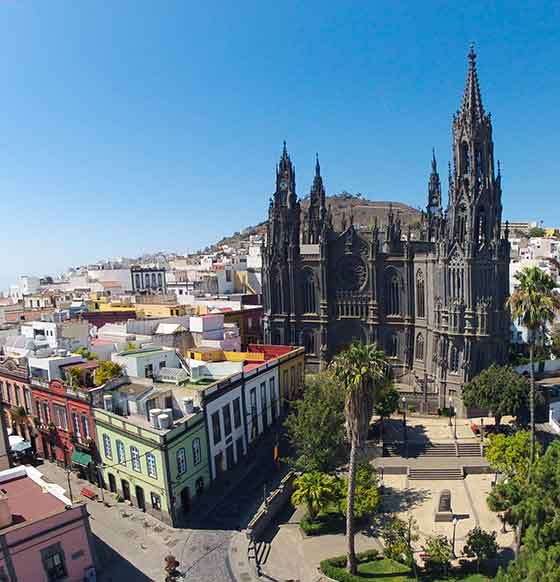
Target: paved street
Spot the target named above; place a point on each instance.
(132, 545)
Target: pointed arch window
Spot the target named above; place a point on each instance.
(309, 292)
(481, 225)
(461, 224)
(309, 342)
(454, 360)
(276, 293)
(420, 294)
(465, 159)
(419, 347)
(394, 295)
(393, 346)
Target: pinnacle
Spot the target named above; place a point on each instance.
(472, 101)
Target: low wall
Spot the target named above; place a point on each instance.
(275, 502)
(550, 366)
(477, 470)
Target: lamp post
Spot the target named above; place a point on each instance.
(405, 434)
(481, 430)
(449, 409)
(455, 522)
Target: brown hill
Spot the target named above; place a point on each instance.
(341, 205)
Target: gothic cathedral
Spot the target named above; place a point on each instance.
(435, 302)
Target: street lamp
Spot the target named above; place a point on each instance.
(405, 435)
(455, 522)
(449, 409)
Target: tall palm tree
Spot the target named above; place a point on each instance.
(364, 374)
(534, 303)
(315, 490)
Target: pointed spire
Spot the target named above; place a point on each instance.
(434, 163)
(317, 165)
(285, 150)
(472, 102)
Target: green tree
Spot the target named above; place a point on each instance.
(85, 353)
(534, 303)
(438, 547)
(481, 545)
(536, 232)
(398, 538)
(542, 565)
(316, 426)
(367, 496)
(364, 374)
(106, 371)
(510, 454)
(131, 346)
(314, 490)
(499, 389)
(387, 404)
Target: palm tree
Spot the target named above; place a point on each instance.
(534, 303)
(364, 374)
(314, 490)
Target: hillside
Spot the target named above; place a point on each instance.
(342, 205)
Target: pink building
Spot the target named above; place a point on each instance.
(43, 536)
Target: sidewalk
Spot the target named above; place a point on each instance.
(287, 555)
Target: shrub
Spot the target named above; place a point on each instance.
(334, 567)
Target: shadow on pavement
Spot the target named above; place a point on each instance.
(112, 567)
(394, 432)
(399, 501)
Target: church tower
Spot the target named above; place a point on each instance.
(281, 256)
(433, 208)
(473, 256)
(317, 213)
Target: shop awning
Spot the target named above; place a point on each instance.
(79, 458)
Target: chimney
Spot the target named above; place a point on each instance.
(108, 402)
(188, 403)
(164, 421)
(154, 413)
(5, 511)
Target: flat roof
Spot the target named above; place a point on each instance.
(140, 353)
(134, 388)
(28, 501)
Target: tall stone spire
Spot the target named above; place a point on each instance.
(434, 189)
(472, 102)
(284, 212)
(317, 213)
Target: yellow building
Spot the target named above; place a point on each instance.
(160, 310)
(291, 375)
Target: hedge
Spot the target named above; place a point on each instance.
(331, 567)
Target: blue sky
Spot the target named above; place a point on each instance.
(135, 126)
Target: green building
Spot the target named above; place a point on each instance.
(153, 448)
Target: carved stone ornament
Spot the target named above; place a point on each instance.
(352, 273)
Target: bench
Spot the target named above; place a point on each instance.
(89, 493)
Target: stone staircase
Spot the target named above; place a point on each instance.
(436, 474)
(469, 449)
(420, 450)
(442, 450)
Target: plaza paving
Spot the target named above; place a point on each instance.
(290, 556)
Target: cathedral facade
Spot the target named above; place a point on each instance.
(434, 301)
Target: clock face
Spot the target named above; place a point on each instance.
(283, 185)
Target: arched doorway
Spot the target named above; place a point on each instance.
(125, 489)
(140, 500)
(112, 483)
(186, 500)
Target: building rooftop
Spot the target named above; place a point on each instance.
(29, 497)
(140, 353)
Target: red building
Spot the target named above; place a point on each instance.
(15, 395)
(64, 422)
